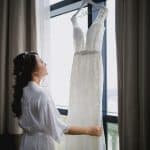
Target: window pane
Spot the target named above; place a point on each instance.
(62, 50)
(54, 1)
(113, 137)
(112, 103)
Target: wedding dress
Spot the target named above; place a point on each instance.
(85, 106)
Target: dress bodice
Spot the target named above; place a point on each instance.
(94, 36)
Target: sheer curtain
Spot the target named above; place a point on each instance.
(43, 39)
(43, 35)
(43, 46)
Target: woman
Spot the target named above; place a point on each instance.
(36, 112)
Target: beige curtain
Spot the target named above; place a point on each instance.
(133, 56)
(17, 34)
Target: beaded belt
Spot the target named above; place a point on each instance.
(84, 52)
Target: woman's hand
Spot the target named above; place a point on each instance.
(94, 131)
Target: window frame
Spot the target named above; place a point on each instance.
(71, 5)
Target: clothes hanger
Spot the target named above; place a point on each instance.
(85, 2)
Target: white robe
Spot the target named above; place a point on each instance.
(40, 120)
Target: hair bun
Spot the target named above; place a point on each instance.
(19, 64)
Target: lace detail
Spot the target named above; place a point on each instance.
(94, 34)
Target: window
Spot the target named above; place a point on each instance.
(61, 57)
(113, 137)
(112, 102)
(54, 1)
(111, 81)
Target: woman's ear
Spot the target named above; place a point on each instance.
(35, 73)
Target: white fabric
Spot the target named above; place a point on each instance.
(43, 35)
(94, 36)
(40, 120)
(85, 106)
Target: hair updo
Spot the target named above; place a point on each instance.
(24, 65)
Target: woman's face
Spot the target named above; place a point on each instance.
(40, 68)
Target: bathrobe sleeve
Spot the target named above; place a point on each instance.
(50, 119)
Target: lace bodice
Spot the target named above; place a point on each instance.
(94, 35)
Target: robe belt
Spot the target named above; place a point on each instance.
(33, 132)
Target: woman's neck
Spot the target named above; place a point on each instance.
(36, 80)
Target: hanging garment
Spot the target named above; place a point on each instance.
(85, 106)
(40, 120)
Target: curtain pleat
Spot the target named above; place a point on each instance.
(132, 33)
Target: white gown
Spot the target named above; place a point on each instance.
(40, 120)
(85, 106)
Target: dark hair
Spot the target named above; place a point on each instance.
(24, 65)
